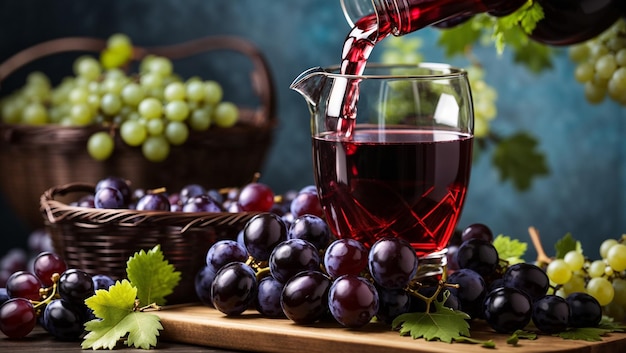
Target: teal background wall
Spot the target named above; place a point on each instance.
(583, 144)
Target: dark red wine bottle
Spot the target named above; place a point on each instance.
(573, 21)
(565, 22)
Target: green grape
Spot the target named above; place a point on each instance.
(119, 50)
(596, 268)
(155, 148)
(11, 111)
(34, 114)
(620, 57)
(112, 85)
(605, 246)
(155, 127)
(150, 108)
(605, 66)
(559, 272)
(584, 72)
(78, 95)
(119, 41)
(225, 114)
(200, 119)
(176, 132)
(174, 91)
(176, 110)
(93, 101)
(214, 92)
(195, 91)
(595, 94)
(100, 146)
(151, 80)
(133, 132)
(619, 287)
(81, 114)
(87, 67)
(132, 94)
(575, 284)
(110, 104)
(574, 259)
(616, 257)
(37, 78)
(601, 289)
(161, 66)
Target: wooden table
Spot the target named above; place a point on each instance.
(193, 329)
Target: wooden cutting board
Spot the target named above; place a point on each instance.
(206, 326)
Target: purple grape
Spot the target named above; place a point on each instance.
(268, 298)
(528, 278)
(201, 203)
(46, 264)
(304, 298)
(190, 191)
(64, 319)
(306, 202)
(202, 285)
(312, 229)
(102, 282)
(353, 301)
(262, 233)
(478, 255)
(86, 201)
(234, 288)
(117, 183)
(224, 252)
(477, 231)
(507, 309)
(292, 256)
(471, 291)
(153, 202)
(392, 303)
(23, 284)
(75, 286)
(585, 311)
(392, 262)
(551, 314)
(108, 197)
(345, 257)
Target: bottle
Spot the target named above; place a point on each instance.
(565, 22)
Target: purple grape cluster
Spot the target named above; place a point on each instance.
(508, 298)
(50, 294)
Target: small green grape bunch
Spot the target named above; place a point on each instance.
(601, 65)
(604, 278)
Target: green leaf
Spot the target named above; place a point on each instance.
(610, 324)
(511, 250)
(154, 277)
(517, 159)
(591, 334)
(455, 40)
(117, 319)
(520, 334)
(444, 324)
(565, 245)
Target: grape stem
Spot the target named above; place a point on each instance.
(542, 257)
(47, 294)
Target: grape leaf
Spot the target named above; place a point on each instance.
(154, 277)
(565, 245)
(117, 318)
(517, 159)
(520, 334)
(511, 250)
(455, 40)
(591, 334)
(444, 324)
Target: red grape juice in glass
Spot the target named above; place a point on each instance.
(398, 182)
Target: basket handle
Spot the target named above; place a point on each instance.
(261, 76)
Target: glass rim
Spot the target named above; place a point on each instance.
(436, 71)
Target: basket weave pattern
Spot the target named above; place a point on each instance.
(100, 241)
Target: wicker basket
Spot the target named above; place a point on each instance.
(34, 158)
(102, 240)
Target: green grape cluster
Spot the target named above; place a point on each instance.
(405, 50)
(153, 109)
(601, 65)
(604, 278)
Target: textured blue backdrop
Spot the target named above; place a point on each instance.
(584, 145)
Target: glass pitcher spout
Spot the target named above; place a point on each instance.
(309, 84)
